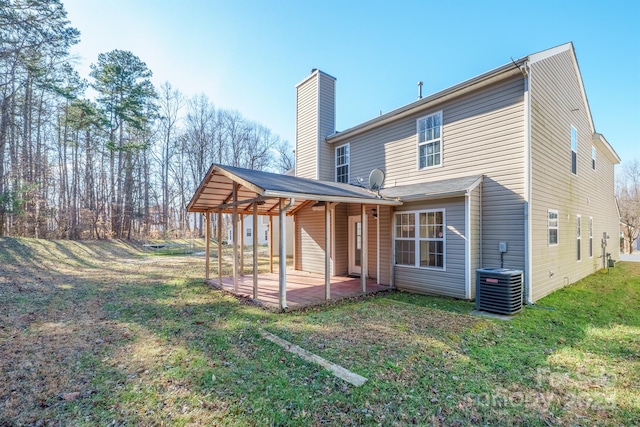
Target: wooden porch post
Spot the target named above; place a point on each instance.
(327, 251)
(270, 243)
(220, 247)
(207, 236)
(255, 249)
(363, 250)
(234, 221)
(242, 244)
(282, 271)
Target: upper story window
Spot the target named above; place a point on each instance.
(249, 232)
(552, 224)
(574, 151)
(430, 141)
(593, 158)
(342, 163)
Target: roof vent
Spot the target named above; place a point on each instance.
(419, 90)
(313, 70)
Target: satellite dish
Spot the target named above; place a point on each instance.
(376, 179)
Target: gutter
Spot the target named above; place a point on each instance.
(323, 198)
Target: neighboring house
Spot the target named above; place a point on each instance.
(510, 156)
(276, 230)
(625, 246)
(245, 226)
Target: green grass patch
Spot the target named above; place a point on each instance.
(143, 342)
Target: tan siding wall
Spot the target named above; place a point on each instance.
(310, 240)
(483, 133)
(385, 217)
(307, 128)
(556, 105)
(452, 281)
(341, 227)
(327, 119)
(475, 241)
(372, 244)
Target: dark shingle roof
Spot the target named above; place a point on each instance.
(436, 189)
(216, 189)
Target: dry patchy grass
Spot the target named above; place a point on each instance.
(101, 333)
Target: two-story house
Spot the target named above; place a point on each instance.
(510, 156)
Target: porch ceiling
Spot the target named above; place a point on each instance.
(216, 191)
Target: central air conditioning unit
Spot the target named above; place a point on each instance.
(499, 290)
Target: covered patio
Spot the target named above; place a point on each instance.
(240, 192)
(304, 289)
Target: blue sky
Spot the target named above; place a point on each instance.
(248, 55)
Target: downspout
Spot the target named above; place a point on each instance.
(526, 70)
(378, 213)
(220, 247)
(282, 256)
(467, 243)
(234, 220)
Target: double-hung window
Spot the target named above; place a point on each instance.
(590, 237)
(420, 239)
(574, 151)
(342, 163)
(552, 224)
(249, 232)
(578, 237)
(430, 141)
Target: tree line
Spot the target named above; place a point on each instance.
(121, 165)
(628, 198)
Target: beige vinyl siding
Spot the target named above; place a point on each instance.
(475, 237)
(309, 236)
(307, 128)
(483, 133)
(450, 282)
(372, 244)
(326, 118)
(341, 244)
(556, 105)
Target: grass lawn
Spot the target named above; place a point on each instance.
(104, 333)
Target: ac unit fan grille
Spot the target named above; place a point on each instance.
(499, 290)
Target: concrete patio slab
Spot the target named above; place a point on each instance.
(303, 289)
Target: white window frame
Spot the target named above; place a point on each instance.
(416, 239)
(347, 163)
(550, 227)
(430, 141)
(574, 149)
(593, 157)
(578, 237)
(590, 237)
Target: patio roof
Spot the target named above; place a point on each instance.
(216, 191)
(452, 187)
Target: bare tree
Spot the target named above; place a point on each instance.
(284, 156)
(628, 189)
(170, 103)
